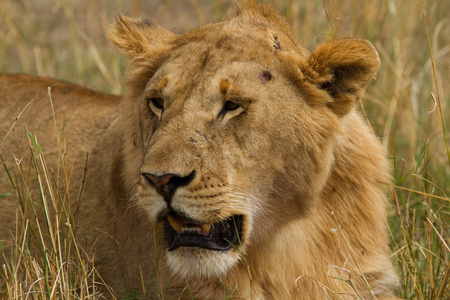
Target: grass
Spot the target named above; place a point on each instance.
(47, 260)
(407, 107)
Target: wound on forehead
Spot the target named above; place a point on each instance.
(265, 76)
(276, 43)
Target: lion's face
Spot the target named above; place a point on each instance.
(232, 134)
(219, 145)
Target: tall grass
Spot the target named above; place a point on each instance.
(407, 107)
(46, 261)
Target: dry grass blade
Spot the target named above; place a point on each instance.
(419, 192)
(15, 122)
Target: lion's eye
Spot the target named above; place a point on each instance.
(231, 105)
(157, 103)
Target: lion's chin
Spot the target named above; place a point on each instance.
(190, 262)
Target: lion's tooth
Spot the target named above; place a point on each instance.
(206, 229)
(175, 223)
(196, 230)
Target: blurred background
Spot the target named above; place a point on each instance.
(407, 106)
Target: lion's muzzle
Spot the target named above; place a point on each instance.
(182, 231)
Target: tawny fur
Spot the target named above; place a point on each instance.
(295, 159)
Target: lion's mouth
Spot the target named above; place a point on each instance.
(182, 232)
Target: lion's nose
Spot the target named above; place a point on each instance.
(167, 184)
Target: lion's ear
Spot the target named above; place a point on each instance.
(139, 38)
(343, 68)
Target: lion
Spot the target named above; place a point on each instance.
(235, 166)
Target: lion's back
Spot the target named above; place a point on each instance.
(65, 119)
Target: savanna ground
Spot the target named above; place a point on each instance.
(407, 107)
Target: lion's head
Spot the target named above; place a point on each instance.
(232, 129)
